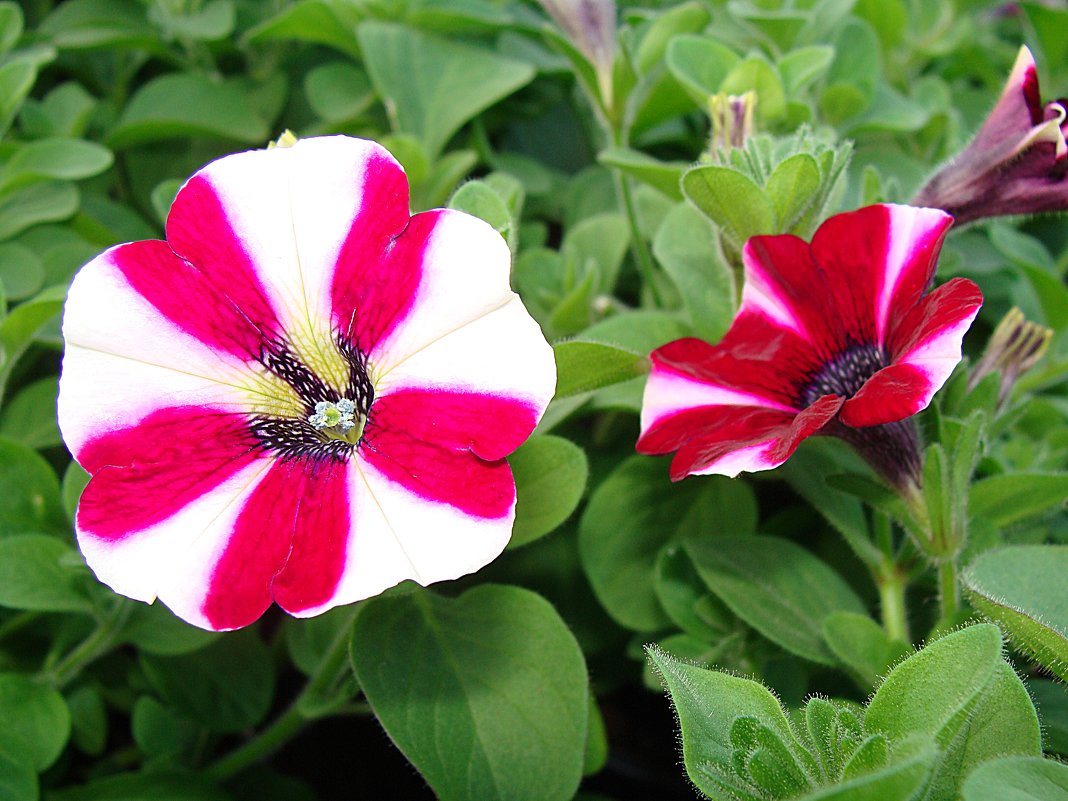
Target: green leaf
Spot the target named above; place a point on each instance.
(11, 23)
(30, 500)
(18, 329)
(75, 479)
(159, 731)
(777, 587)
(960, 691)
(16, 80)
(479, 199)
(328, 22)
(47, 201)
(501, 686)
(18, 781)
(83, 24)
(1012, 497)
(685, 246)
(36, 721)
(163, 786)
(550, 479)
(731, 200)
(586, 366)
(1022, 589)
(1051, 700)
(432, 86)
(632, 515)
(598, 242)
(21, 271)
(209, 23)
(34, 575)
(30, 416)
(800, 67)
(707, 704)
(700, 64)
(58, 158)
(684, 597)
(188, 104)
(662, 175)
(154, 629)
(1017, 779)
(793, 189)
(899, 781)
(89, 720)
(862, 646)
(755, 74)
(227, 686)
(338, 91)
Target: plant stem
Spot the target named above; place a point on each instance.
(98, 643)
(892, 585)
(286, 726)
(641, 250)
(948, 589)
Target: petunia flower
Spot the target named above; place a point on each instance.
(1016, 164)
(304, 395)
(836, 337)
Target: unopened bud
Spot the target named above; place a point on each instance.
(732, 119)
(1015, 347)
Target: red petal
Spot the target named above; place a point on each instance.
(715, 433)
(289, 542)
(144, 474)
(892, 394)
(428, 442)
(221, 304)
(379, 265)
(941, 310)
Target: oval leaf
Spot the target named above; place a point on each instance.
(550, 477)
(486, 694)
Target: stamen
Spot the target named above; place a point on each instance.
(336, 420)
(845, 374)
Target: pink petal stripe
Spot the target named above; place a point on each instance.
(144, 474)
(756, 357)
(718, 432)
(432, 456)
(491, 426)
(892, 394)
(378, 266)
(288, 540)
(323, 521)
(199, 231)
(222, 314)
(940, 311)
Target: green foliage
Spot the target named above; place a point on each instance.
(503, 683)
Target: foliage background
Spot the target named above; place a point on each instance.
(106, 107)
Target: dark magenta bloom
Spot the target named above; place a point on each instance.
(1016, 164)
(837, 337)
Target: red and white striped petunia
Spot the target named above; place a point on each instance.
(837, 337)
(304, 395)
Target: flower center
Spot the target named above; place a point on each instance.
(337, 420)
(334, 417)
(845, 374)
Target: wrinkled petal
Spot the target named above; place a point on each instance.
(727, 440)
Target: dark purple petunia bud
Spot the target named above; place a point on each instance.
(1016, 164)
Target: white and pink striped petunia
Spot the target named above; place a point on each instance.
(303, 396)
(837, 337)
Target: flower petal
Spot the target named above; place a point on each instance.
(430, 443)
(305, 224)
(462, 267)
(145, 474)
(756, 363)
(727, 440)
(925, 349)
(1018, 109)
(878, 261)
(120, 367)
(288, 543)
(502, 353)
